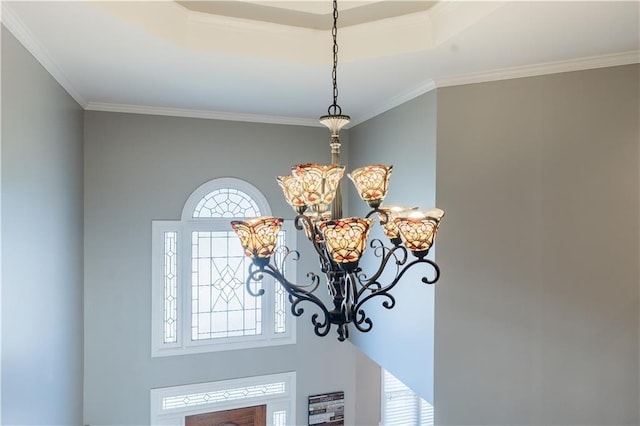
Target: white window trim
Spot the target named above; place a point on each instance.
(175, 416)
(184, 227)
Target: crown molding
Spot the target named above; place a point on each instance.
(421, 89)
(194, 113)
(578, 64)
(11, 21)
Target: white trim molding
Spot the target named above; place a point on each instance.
(206, 114)
(577, 64)
(421, 89)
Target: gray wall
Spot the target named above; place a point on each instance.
(42, 333)
(537, 311)
(368, 391)
(402, 338)
(139, 168)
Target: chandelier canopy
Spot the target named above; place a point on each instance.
(312, 190)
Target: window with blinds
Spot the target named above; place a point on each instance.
(401, 406)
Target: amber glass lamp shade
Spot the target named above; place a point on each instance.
(418, 230)
(372, 182)
(387, 216)
(258, 237)
(292, 192)
(318, 183)
(346, 239)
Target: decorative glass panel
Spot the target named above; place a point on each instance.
(226, 202)
(221, 306)
(280, 318)
(280, 418)
(170, 287)
(223, 395)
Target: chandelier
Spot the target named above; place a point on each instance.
(313, 190)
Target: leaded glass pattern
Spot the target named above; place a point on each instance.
(170, 287)
(221, 305)
(223, 395)
(280, 313)
(280, 418)
(199, 301)
(226, 203)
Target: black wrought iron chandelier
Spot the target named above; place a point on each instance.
(340, 242)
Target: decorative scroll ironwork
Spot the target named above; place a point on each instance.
(349, 288)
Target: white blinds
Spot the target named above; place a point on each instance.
(402, 407)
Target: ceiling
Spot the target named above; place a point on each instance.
(270, 61)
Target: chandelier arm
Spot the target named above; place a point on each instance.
(384, 290)
(315, 241)
(286, 254)
(372, 284)
(436, 270)
(362, 321)
(298, 219)
(357, 315)
(362, 318)
(296, 290)
(291, 288)
(297, 294)
(254, 275)
(320, 328)
(352, 295)
(294, 255)
(384, 216)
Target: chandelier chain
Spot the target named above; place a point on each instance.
(335, 108)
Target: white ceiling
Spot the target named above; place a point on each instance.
(160, 57)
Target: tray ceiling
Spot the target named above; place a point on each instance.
(271, 61)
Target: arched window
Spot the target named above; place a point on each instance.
(200, 302)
